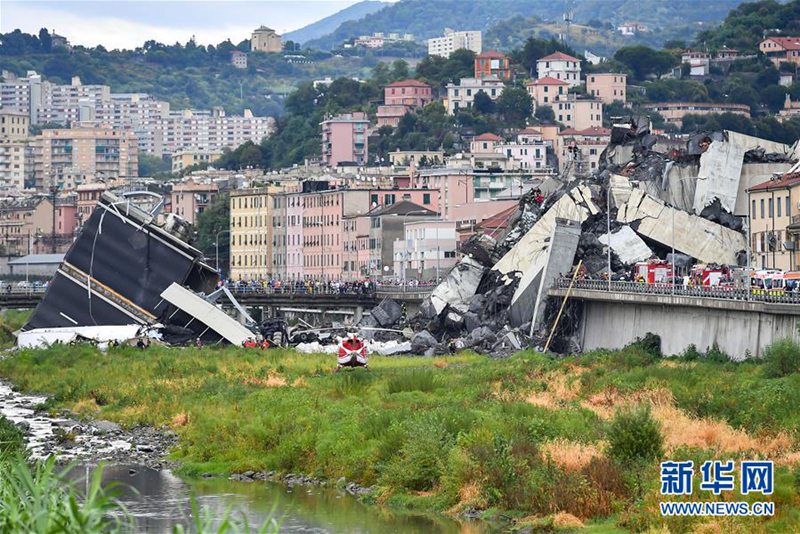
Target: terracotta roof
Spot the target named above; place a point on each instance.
(547, 80)
(498, 220)
(490, 54)
(529, 131)
(558, 56)
(787, 180)
(408, 83)
(488, 137)
(789, 43)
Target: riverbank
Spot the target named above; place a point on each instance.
(464, 435)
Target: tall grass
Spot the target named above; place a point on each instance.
(447, 434)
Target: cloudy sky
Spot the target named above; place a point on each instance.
(127, 24)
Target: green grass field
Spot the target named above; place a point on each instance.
(527, 437)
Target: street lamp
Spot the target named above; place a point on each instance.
(216, 248)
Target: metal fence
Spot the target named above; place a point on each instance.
(711, 292)
(23, 290)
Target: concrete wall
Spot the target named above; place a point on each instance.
(738, 333)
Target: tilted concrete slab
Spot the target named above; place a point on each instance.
(698, 237)
(458, 287)
(721, 169)
(208, 314)
(627, 245)
(530, 255)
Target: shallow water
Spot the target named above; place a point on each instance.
(159, 499)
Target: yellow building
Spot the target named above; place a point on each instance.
(254, 228)
(13, 143)
(183, 159)
(265, 40)
(775, 223)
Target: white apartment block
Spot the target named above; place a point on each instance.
(560, 66)
(462, 96)
(453, 40)
(159, 129)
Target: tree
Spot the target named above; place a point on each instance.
(634, 436)
(215, 218)
(483, 103)
(400, 70)
(675, 44)
(251, 157)
(515, 105)
(150, 165)
(544, 114)
(46, 40)
(644, 61)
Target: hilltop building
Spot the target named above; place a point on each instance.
(265, 40)
(453, 40)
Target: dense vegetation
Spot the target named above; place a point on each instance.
(186, 75)
(426, 19)
(529, 435)
(745, 25)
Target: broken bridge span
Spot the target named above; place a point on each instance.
(740, 322)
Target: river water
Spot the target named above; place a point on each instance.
(157, 499)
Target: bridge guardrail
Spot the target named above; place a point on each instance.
(778, 296)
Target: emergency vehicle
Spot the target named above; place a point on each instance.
(653, 272)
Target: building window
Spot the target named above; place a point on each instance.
(771, 209)
(788, 207)
(762, 208)
(779, 208)
(426, 198)
(753, 210)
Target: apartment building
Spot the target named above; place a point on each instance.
(23, 222)
(189, 199)
(344, 139)
(560, 66)
(13, 142)
(579, 150)
(88, 195)
(545, 91)
(67, 157)
(462, 96)
(387, 225)
(427, 251)
(185, 158)
(251, 233)
(265, 39)
(608, 86)
(453, 40)
(774, 223)
(400, 98)
(159, 129)
(492, 64)
(579, 113)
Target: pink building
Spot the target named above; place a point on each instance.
(344, 139)
(412, 93)
(485, 143)
(356, 247)
(66, 216)
(545, 91)
(453, 187)
(401, 97)
(190, 199)
(294, 236)
(608, 87)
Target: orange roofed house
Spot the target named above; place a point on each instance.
(781, 49)
(492, 64)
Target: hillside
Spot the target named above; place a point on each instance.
(427, 19)
(187, 76)
(329, 24)
(745, 26)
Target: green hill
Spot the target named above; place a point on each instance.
(746, 25)
(427, 19)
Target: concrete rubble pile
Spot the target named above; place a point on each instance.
(648, 195)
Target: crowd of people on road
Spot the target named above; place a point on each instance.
(349, 287)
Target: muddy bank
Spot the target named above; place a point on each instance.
(86, 442)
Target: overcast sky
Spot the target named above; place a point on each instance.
(128, 24)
